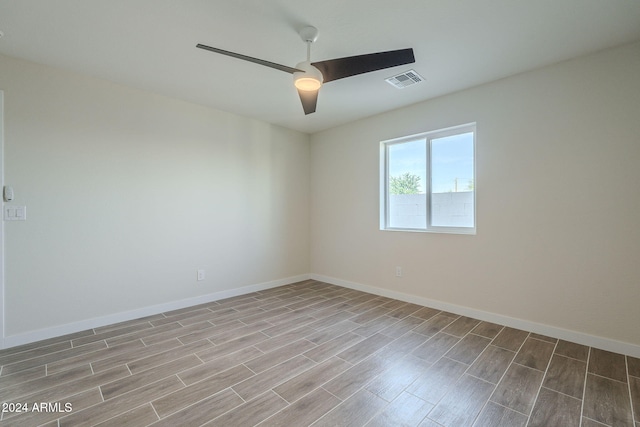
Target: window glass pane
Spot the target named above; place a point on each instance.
(452, 185)
(406, 186)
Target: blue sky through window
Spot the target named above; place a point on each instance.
(452, 160)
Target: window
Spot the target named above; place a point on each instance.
(427, 182)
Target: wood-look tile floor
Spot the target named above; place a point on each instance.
(316, 354)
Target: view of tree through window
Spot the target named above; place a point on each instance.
(407, 183)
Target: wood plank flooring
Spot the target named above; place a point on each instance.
(316, 354)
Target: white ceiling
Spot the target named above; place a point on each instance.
(150, 44)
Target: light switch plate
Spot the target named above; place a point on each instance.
(15, 213)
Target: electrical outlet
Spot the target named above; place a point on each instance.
(398, 271)
(200, 275)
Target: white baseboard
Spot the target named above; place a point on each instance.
(548, 330)
(69, 328)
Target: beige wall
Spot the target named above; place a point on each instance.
(558, 200)
(129, 193)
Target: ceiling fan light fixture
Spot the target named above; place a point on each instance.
(307, 83)
(310, 79)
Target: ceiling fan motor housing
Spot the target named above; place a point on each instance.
(310, 79)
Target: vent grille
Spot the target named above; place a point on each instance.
(405, 79)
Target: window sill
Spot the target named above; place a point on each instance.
(437, 230)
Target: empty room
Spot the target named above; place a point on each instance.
(338, 213)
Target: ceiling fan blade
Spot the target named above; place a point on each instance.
(309, 100)
(269, 64)
(334, 69)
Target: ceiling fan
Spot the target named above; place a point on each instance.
(309, 76)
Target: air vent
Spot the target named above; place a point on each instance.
(405, 79)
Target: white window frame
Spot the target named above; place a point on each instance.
(384, 180)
